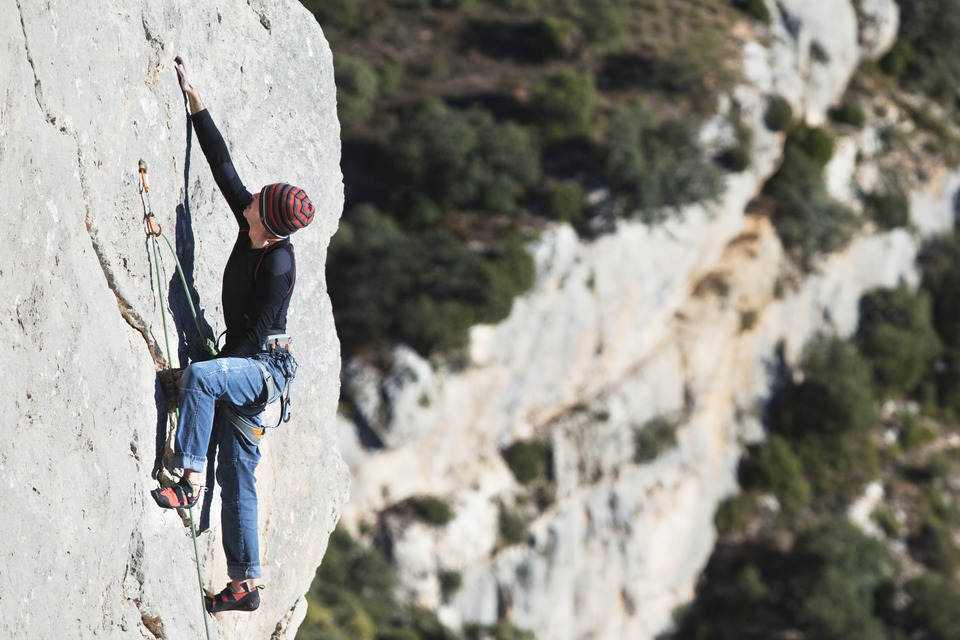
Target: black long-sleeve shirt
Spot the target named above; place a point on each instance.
(257, 283)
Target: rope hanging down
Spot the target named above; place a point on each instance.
(209, 345)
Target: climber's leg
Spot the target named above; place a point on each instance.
(237, 461)
(238, 381)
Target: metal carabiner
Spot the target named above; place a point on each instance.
(155, 232)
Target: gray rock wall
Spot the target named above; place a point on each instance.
(86, 90)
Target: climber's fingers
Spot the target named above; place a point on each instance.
(184, 72)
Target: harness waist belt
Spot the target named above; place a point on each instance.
(278, 343)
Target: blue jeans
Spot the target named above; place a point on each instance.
(239, 381)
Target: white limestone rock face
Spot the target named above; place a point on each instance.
(87, 90)
(816, 47)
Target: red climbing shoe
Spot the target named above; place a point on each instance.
(178, 496)
(230, 600)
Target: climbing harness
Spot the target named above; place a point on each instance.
(275, 349)
(209, 345)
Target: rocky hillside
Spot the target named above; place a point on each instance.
(584, 443)
(88, 90)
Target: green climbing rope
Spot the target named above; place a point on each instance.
(209, 345)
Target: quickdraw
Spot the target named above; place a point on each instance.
(145, 185)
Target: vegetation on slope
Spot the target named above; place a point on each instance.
(789, 561)
(468, 124)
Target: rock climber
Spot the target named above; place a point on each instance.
(253, 364)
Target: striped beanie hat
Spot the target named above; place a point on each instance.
(284, 208)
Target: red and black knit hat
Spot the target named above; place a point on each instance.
(284, 208)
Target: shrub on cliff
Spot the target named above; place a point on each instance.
(529, 460)
(512, 527)
(352, 594)
(940, 265)
(356, 89)
(502, 630)
(849, 112)
(603, 24)
(339, 14)
(774, 467)
(809, 222)
(827, 419)
(432, 510)
(824, 586)
(565, 100)
(370, 271)
(653, 438)
(779, 114)
(889, 209)
(837, 570)
(738, 156)
(568, 202)
(933, 611)
(425, 289)
(460, 159)
(659, 165)
(928, 53)
(756, 9)
(509, 272)
(352, 598)
(896, 335)
(815, 143)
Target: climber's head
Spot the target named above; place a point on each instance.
(284, 208)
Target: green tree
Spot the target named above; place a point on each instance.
(808, 221)
(509, 163)
(352, 598)
(357, 85)
(603, 24)
(777, 469)
(837, 570)
(940, 265)
(659, 165)
(756, 9)
(568, 203)
(896, 335)
(779, 114)
(460, 159)
(827, 419)
(934, 609)
(928, 54)
(352, 594)
(529, 460)
(371, 269)
(889, 209)
(434, 153)
(565, 99)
